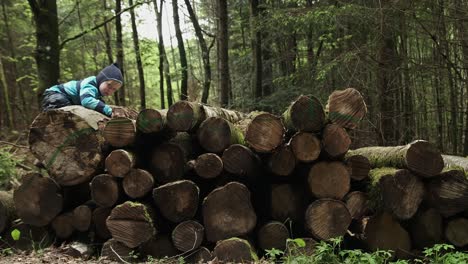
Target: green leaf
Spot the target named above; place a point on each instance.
(15, 234)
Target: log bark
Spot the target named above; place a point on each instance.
(400, 191)
(67, 143)
(105, 190)
(37, 200)
(426, 228)
(151, 121)
(216, 134)
(357, 203)
(188, 235)
(383, 232)
(7, 210)
(231, 201)
(327, 218)
(99, 218)
(456, 232)
(177, 201)
(81, 218)
(264, 132)
(137, 183)
(448, 193)
(273, 235)
(120, 132)
(131, 223)
(305, 114)
(287, 202)
(208, 165)
(335, 140)
(119, 162)
(305, 146)
(346, 108)
(359, 165)
(167, 163)
(116, 251)
(187, 116)
(329, 180)
(420, 157)
(282, 161)
(240, 160)
(235, 250)
(159, 247)
(63, 225)
(455, 162)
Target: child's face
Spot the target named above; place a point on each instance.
(109, 87)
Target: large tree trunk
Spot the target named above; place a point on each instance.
(136, 44)
(177, 201)
(232, 201)
(223, 42)
(205, 52)
(401, 191)
(131, 223)
(305, 114)
(420, 157)
(182, 54)
(37, 200)
(67, 142)
(47, 52)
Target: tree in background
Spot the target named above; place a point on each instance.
(136, 44)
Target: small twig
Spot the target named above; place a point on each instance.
(24, 167)
(118, 255)
(13, 144)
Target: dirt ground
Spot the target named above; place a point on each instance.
(50, 255)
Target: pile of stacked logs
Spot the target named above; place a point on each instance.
(203, 182)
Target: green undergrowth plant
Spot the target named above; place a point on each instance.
(7, 167)
(330, 252)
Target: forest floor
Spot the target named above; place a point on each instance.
(48, 255)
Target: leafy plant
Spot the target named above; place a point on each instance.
(7, 166)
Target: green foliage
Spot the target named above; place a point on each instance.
(7, 166)
(15, 234)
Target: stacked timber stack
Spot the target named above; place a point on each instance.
(203, 182)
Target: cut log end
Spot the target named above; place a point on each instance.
(359, 165)
(81, 218)
(335, 140)
(424, 159)
(273, 235)
(167, 163)
(216, 134)
(105, 190)
(234, 250)
(329, 180)
(305, 114)
(188, 235)
(208, 165)
(346, 108)
(116, 251)
(239, 160)
(183, 116)
(426, 228)
(357, 203)
(265, 133)
(137, 183)
(119, 162)
(151, 120)
(456, 232)
(282, 161)
(327, 218)
(120, 132)
(305, 146)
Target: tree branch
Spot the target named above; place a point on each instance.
(84, 32)
(69, 13)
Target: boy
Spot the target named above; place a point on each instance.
(87, 92)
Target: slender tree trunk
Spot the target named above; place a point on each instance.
(223, 40)
(205, 53)
(407, 101)
(136, 44)
(162, 53)
(256, 81)
(47, 52)
(462, 26)
(438, 83)
(83, 47)
(119, 45)
(9, 114)
(107, 41)
(182, 54)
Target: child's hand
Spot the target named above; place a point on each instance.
(118, 112)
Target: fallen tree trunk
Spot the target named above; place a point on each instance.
(131, 223)
(187, 116)
(38, 200)
(401, 191)
(346, 108)
(420, 157)
(67, 142)
(305, 114)
(233, 202)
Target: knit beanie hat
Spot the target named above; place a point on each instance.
(111, 72)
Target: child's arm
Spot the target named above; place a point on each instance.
(88, 94)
